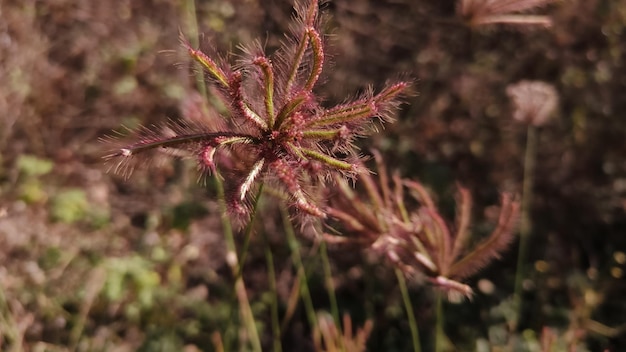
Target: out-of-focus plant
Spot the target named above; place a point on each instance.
(483, 12)
(534, 102)
(31, 168)
(69, 206)
(415, 237)
(399, 221)
(13, 323)
(577, 323)
(131, 276)
(328, 338)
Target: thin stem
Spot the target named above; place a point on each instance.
(271, 273)
(305, 293)
(192, 28)
(439, 333)
(247, 315)
(248, 230)
(370, 284)
(231, 255)
(233, 262)
(409, 311)
(330, 288)
(228, 235)
(525, 223)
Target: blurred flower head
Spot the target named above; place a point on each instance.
(400, 222)
(483, 12)
(534, 102)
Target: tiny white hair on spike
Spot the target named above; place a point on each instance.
(245, 187)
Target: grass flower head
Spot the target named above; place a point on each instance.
(416, 238)
(276, 124)
(534, 102)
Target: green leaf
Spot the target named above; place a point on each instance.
(31, 165)
(31, 191)
(69, 206)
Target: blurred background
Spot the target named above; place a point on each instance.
(92, 262)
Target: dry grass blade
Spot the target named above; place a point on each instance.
(483, 12)
(326, 336)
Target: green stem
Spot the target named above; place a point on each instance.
(526, 222)
(305, 293)
(439, 333)
(231, 255)
(271, 273)
(192, 28)
(233, 261)
(328, 282)
(409, 311)
(330, 288)
(189, 13)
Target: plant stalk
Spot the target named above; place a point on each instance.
(439, 332)
(409, 311)
(233, 262)
(305, 293)
(330, 289)
(526, 221)
(271, 273)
